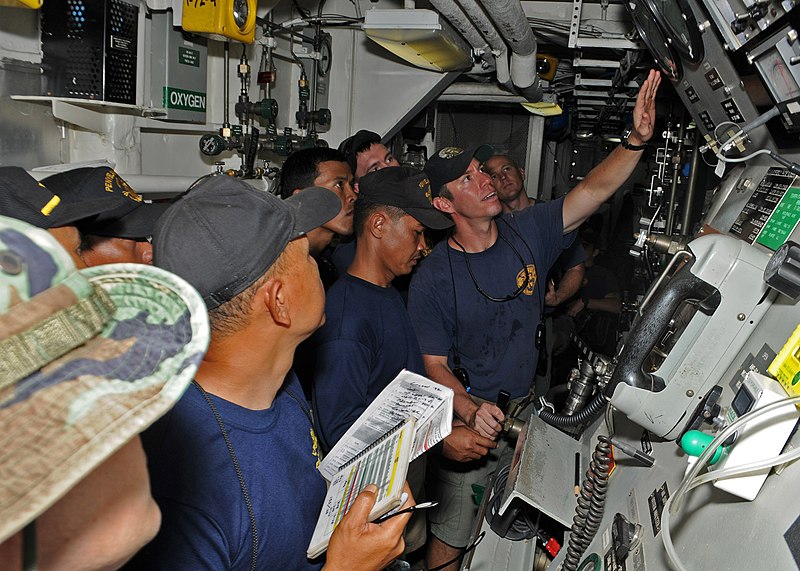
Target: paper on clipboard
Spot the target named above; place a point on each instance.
(409, 394)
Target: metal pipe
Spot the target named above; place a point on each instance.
(512, 23)
(461, 22)
(225, 85)
(580, 389)
(691, 187)
(673, 188)
(159, 186)
(475, 13)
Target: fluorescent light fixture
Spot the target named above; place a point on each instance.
(420, 37)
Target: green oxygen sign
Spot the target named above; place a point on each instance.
(184, 99)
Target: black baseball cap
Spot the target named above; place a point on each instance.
(224, 235)
(24, 198)
(406, 188)
(130, 217)
(349, 147)
(449, 163)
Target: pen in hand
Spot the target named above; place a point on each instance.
(422, 506)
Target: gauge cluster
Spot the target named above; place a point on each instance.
(693, 49)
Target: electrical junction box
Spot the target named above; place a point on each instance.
(89, 49)
(221, 19)
(759, 439)
(178, 64)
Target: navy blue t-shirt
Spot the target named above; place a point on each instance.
(496, 340)
(205, 524)
(343, 254)
(366, 341)
(572, 256)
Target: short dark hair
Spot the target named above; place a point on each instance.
(302, 167)
(365, 146)
(364, 209)
(233, 315)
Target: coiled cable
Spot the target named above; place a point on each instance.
(591, 504)
(523, 526)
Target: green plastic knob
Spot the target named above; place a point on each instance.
(695, 442)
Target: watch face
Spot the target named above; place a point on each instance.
(241, 10)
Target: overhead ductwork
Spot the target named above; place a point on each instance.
(496, 43)
(462, 22)
(512, 23)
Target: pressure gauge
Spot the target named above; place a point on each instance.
(652, 35)
(783, 270)
(241, 10)
(778, 75)
(677, 20)
(325, 56)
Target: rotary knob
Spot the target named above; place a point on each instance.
(783, 270)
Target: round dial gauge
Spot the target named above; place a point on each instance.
(678, 22)
(778, 75)
(241, 10)
(652, 35)
(324, 56)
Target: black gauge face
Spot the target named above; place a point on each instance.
(645, 22)
(241, 11)
(678, 22)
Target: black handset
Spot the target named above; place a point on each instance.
(503, 398)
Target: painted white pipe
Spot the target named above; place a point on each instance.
(513, 25)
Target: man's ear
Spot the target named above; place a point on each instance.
(522, 173)
(376, 224)
(296, 190)
(443, 204)
(272, 296)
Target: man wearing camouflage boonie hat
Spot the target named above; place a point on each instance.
(90, 358)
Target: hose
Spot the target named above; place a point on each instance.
(586, 415)
(591, 504)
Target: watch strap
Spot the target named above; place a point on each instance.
(631, 147)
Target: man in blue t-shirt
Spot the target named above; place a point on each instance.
(566, 275)
(234, 465)
(367, 338)
(476, 300)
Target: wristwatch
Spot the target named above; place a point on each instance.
(631, 147)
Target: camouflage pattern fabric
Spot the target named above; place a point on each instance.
(107, 384)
